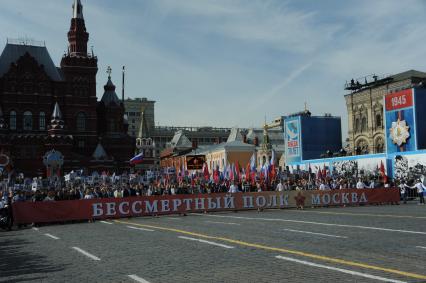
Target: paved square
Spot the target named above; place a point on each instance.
(352, 244)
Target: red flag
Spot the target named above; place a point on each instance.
(248, 172)
(253, 177)
(272, 172)
(319, 174)
(206, 172)
(383, 172)
(238, 172)
(324, 172)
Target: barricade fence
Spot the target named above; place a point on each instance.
(109, 208)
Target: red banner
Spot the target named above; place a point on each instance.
(398, 100)
(58, 211)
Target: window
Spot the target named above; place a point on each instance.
(42, 121)
(378, 120)
(364, 124)
(81, 144)
(362, 147)
(81, 122)
(12, 120)
(357, 125)
(28, 121)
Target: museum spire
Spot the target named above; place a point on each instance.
(77, 35)
(77, 10)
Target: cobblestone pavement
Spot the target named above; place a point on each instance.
(352, 244)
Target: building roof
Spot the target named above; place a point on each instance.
(180, 140)
(110, 97)
(12, 53)
(235, 135)
(413, 75)
(57, 114)
(143, 126)
(408, 74)
(229, 146)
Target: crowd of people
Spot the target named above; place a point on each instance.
(409, 189)
(77, 191)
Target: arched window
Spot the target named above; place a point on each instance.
(378, 120)
(357, 125)
(12, 120)
(81, 121)
(28, 121)
(364, 124)
(42, 121)
(362, 147)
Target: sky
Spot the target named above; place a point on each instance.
(227, 63)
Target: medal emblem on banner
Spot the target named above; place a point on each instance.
(400, 132)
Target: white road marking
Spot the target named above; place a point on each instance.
(359, 214)
(137, 278)
(206, 242)
(366, 275)
(86, 253)
(173, 218)
(35, 229)
(319, 223)
(227, 223)
(106, 222)
(142, 229)
(51, 236)
(420, 247)
(314, 233)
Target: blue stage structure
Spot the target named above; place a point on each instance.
(405, 132)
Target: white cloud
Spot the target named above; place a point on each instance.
(272, 24)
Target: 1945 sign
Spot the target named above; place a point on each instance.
(398, 100)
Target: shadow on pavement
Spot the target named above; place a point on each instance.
(15, 260)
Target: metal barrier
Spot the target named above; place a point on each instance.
(411, 194)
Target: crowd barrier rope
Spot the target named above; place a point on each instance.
(109, 208)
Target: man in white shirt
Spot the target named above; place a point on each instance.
(420, 189)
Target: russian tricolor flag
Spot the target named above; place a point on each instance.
(137, 159)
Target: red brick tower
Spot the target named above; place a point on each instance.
(79, 69)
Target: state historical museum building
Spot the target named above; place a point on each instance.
(44, 108)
